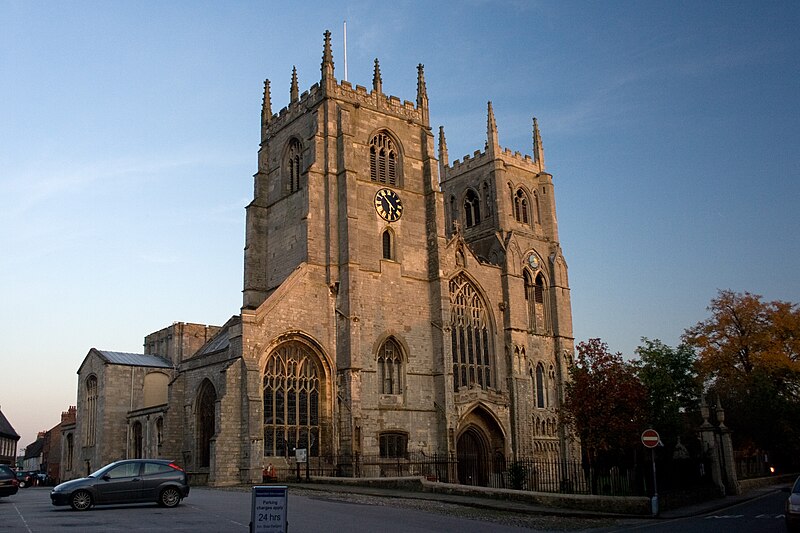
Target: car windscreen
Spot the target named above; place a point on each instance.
(796, 488)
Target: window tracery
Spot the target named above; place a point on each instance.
(472, 209)
(390, 367)
(521, 206)
(470, 336)
(294, 161)
(383, 159)
(291, 393)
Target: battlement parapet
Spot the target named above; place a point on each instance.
(478, 158)
(344, 90)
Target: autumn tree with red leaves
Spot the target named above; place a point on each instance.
(605, 403)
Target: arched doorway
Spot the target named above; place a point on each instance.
(206, 425)
(480, 449)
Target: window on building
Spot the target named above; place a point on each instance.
(540, 303)
(70, 451)
(472, 209)
(136, 441)
(390, 367)
(383, 160)
(540, 390)
(471, 340)
(530, 299)
(388, 244)
(206, 424)
(91, 410)
(487, 197)
(159, 431)
(393, 444)
(521, 206)
(291, 391)
(294, 161)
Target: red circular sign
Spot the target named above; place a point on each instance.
(650, 438)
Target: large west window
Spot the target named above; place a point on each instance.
(470, 336)
(291, 391)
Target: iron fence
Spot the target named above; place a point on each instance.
(522, 474)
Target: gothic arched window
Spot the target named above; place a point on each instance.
(206, 422)
(521, 206)
(91, 410)
(472, 209)
(383, 160)
(390, 367)
(471, 340)
(540, 390)
(530, 299)
(294, 162)
(541, 322)
(291, 391)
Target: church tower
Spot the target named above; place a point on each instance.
(341, 269)
(503, 204)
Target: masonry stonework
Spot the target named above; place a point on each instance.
(393, 303)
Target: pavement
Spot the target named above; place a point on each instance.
(696, 509)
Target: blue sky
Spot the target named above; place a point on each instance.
(129, 132)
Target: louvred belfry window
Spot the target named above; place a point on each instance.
(291, 401)
(470, 336)
(383, 166)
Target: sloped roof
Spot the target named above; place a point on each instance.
(6, 430)
(35, 449)
(221, 341)
(133, 359)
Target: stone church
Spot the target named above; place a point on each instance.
(394, 302)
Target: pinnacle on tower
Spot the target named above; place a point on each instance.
(491, 131)
(422, 91)
(538, 150)
(377, 81)
(327, 58)
(266, 110)
(294, 93)
(443, 157)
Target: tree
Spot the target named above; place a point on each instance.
(605, 402)
(748, 355)
(671, 378)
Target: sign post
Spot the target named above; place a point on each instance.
(651, 439)
(268, 510)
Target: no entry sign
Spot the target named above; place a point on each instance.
(650, 438)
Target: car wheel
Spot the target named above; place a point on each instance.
(81, 500)
(22, 484)
(169, 497)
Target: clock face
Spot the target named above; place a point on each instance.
(533, 261)
(388, 205)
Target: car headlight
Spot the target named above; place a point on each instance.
(793, 507)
